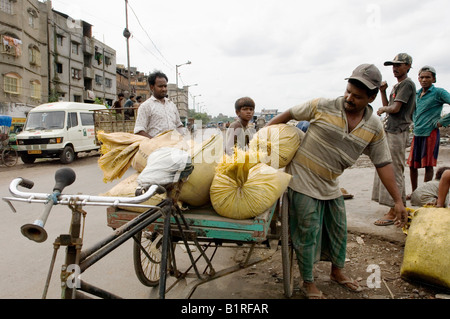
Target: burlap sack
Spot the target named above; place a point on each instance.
(280, 142)
(147, 146)
(127, 188)
(243, 190)
(427, 248)
(205, 157)
(118, 149)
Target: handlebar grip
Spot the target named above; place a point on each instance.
(26, 183)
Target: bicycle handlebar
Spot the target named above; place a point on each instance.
(78, 199)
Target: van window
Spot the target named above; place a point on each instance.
(45, 120)
(87, 119)
(72, 120)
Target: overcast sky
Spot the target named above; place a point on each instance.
(280, 53)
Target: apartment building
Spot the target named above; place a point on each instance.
(23, 56)
(81, 68)
(45, 56)
(180, 98)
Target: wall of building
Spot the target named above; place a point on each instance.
(23, 54)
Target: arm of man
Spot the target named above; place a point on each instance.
(394, 108)
(387, 177)
(445, 98)
(282, 118)
(384, 99)
(181, 129)
(143, 133)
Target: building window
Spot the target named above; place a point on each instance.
(76, 74)
(6, 6)
(59, 68)
(12, 83)
(36, 90)
(75, 48)
(108, 83)
(11, 45)
(32, 15)
(34, 55)
(98, 80)
(107, 60)
(77, 98)
(59, 40)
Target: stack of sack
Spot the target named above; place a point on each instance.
(154, 158)
(427, 248)
(240, 186)
(248, 183)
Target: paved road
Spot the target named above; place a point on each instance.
(24, 264)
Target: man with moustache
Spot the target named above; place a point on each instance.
(158, 114)
(399, 109)
(340, 131)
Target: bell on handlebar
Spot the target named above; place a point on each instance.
(36, 232)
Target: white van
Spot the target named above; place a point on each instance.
(61, 129)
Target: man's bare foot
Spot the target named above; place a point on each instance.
(338, 276)
(311, 291)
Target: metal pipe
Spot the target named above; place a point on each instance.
(93, 258)
(87, 252)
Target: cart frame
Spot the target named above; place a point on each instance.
(165, 219)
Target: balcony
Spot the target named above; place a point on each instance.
(88, 73)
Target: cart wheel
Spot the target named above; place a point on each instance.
(9, 156)
(287, 251)
(147, 260)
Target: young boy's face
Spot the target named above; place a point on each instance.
(246, 113)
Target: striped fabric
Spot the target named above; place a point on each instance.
(318, 231)
(328, 148)
(424, 150)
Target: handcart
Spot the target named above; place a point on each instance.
(9, 156)
(155, 232)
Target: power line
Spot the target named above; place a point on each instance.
(154, 45)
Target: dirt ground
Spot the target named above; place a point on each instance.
(366, 254)
(362, 252)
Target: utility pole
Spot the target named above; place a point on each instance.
(127, 34)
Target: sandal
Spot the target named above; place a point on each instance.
(348, 284)
(383, 222)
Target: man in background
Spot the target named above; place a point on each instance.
(399, 109)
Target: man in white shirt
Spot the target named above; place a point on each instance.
(158, 114)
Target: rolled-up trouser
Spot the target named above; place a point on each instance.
(318, 231)
(397, 146)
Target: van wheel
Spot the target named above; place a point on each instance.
(27, 159)
(67, 155)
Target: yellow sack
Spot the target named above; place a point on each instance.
(149, 145)
(280, 142)
(427, 248)
(117, 151)
(127, 188)
(205, 156)
(242, 190)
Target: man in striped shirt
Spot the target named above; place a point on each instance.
(340, 131)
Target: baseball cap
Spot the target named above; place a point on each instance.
(429, 69)
(400, 58)
(367, 74)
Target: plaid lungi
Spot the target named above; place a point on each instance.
(318, 231)
(424, 150)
